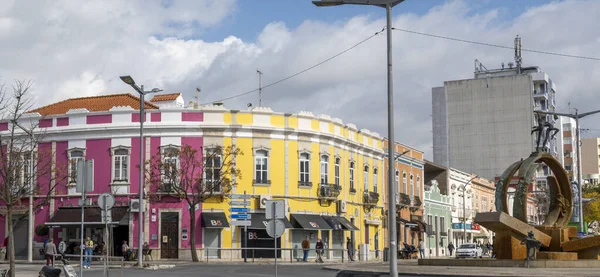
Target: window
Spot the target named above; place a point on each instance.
(443, 224)
(170, 164)
(418, 186)
(484, 203)
(397, 180)
(404, 186)
(120, 156)
(352, 176)
(261, 167)
(375, 179)
(366, 178)
(324, 169)
(212, 171)
(412, 186)
(28, 170)
(337, 172)
(304, 168)
(74, 157)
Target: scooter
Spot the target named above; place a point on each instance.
(50, 271)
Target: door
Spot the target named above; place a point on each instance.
(21, 236)
(337, 243)
(169, 230)
(212, 239)
(366, 241)
(325, 240)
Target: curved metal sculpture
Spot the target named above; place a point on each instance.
(561, 195)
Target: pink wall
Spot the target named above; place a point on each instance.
(99, 151)
(62, 161)
(135, 117)
(64, 121)
(192, 116)
(45, 123)
(4, 126)
(156, 117)
(174, 204)
(99, 119)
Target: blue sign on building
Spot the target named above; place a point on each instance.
(460, 226)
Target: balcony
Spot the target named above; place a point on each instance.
(370, 198)
(166, 188)
(403, 200)
(305, 184)
(417, 203)
(329, 191)
(540, 94)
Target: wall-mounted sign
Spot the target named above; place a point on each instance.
(165, 239)
(154, 237)
(184, 237)
(153, 218)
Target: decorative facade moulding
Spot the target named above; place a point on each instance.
(262, 110)
(121, 109)
(325, 117)
(77, 111)
(306, 114)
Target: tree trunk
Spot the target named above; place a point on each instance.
(11, 242)
(192, 234)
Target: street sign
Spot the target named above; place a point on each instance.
(241, 196)
(239, 203)
(106, 201)
(241, 216)
(106, 216)
(241, 222)
(239, 210)
(277, 230)
(62, 247)
(85, 176)
(279, 211)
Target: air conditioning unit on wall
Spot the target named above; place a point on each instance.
(263, 201)
(341, 206)
(134, 205)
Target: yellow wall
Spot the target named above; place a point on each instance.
(278, 121)
(243, 118)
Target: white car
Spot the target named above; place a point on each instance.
(469, 250)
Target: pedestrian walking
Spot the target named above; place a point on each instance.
(350, 248)
(422, 248)
(319, 248)
(451, 248)
(125, 250)
(6, 248)
(88, 250)
(305, 248)
(49, 252)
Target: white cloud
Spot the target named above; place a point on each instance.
(73, 49)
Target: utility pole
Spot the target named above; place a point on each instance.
(259, 87)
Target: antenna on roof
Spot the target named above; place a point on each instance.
(518, 58)
(197, 97)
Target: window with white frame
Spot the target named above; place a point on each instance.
(28, 169)
(404, 184)
(324, 169)
(375, 171)
(418, 191)
(304, 168)
(337, 171)
(397, 180)
(352, 176)
(484, 204)
(212, 171)
(75, 156)
(120, 164)
(261, 167)
(366, 178)
(170, 164)
(412, 186)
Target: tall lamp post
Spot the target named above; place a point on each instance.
(128, 80)
(465, 190)
(387, 4)
(576, 116)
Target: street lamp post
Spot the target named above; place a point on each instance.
(128, 80)
(387, 4)
(576, 116)
(465, 191)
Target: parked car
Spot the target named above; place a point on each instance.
(469, 250)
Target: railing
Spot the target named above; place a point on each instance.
(305, 184)
(111, 262)
(330, 191)
(540, 93)
(284, 255)
(370, 197)
(404, 200)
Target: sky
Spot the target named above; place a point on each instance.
(80, 48)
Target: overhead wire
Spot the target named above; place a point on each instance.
(496, 45)
(302, 71)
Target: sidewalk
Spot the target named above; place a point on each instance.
(411, 268)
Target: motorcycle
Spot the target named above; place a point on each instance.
(50, 271)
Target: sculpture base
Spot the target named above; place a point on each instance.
(559, 236)
(586, 248)
(559, 256)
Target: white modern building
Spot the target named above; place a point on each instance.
(567, 146)
(461, 198)
(484, 124)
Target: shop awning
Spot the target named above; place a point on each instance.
(214, 220)
(71, 216)
(346, 224)
(259, 221)
(333, 222)
(309, 222)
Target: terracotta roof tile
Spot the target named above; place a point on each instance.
(93, 104)
(165, 97)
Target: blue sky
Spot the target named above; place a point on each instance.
(251, 16)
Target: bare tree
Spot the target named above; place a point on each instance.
(194, 177)
(26, 167)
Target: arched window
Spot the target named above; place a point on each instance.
(412, 187)
(261, 167)
(337, 171)
(375, 171)
(404, 184)
(324, 169)
(366, 178)
(304, 169)
(352, 188)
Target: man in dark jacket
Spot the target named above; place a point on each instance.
(305, 248)
(350, 248)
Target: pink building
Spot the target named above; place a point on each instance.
(105, 129)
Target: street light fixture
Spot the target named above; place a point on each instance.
(464, 190)
(128, 80)
(387, 4)
(576, 116)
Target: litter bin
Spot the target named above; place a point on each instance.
(386, 253)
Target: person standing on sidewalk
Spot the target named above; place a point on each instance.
(421, 248)
(89, 247)
(350, 248)
(319, 247)
(49, 252)
(305, 248)
(451, 248)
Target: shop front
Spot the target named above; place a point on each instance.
(260, 243)
(339, 226)
(212, 228)
(307, 226)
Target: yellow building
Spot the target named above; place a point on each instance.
(330, 175)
